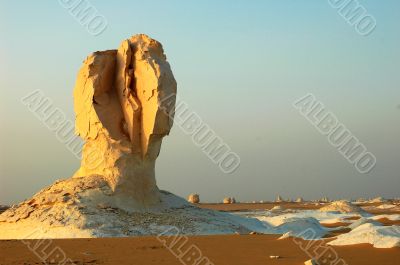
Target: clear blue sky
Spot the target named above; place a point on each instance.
(239, 65)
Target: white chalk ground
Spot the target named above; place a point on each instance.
(377, 235)
(386, 206)
(307, 224)
(392, 217)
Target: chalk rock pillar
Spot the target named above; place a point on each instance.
(124, 102)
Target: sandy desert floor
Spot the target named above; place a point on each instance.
(219, 249)
(229, 249)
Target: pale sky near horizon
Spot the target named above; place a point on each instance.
(239, 65)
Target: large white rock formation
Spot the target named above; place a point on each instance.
(124, 102)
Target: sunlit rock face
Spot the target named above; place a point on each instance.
(124, 101)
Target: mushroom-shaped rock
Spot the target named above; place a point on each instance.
(124, 102)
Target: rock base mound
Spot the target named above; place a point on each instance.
(86, 208)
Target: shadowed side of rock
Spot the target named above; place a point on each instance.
(3, 208)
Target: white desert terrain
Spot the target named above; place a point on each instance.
(124, 103)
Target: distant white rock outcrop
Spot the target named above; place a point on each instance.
(300, 199)
(279, 199)
(342, 206)
(194, 198)
(377, 200)
(228, 200)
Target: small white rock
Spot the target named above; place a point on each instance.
(194, 198)
(311, 262)
(274, 257)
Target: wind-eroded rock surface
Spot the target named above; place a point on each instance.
(124, 101)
